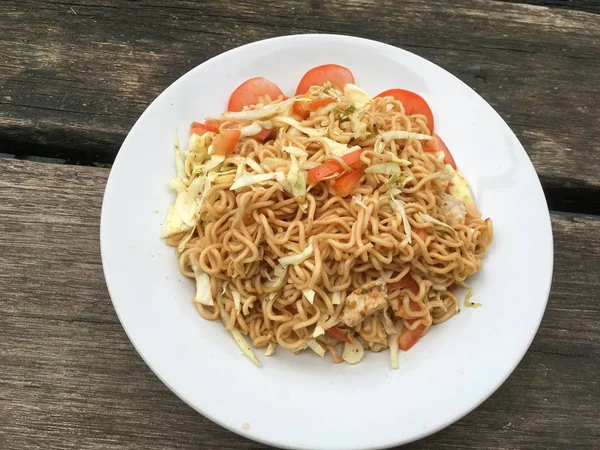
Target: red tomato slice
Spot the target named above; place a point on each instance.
(327, 169)
(198, 128)
(213, 124)
(225, 143)
(406, 282)
(335, 333)
(252, 92)
(408, 338)
(338, 76)
(347, 183)
(413, 103)
(439, 146)
(303, 109)
(263, 135)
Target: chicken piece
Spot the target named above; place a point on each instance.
(363, 302)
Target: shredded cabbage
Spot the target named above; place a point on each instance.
(237, 300)
(398, 205)
(270, 349)
(239, 338)
(314, 345)
(245, 179)
(261, 112)
(203, 292)
(427, 218)
(393, 343)
(296, 259)
(336, 298)
(388, 136)
(279, 273)
(335, 147)
(319, 331)
(309, 131)
(309, 294)
(384, 168)
(297, 183)
(356, 95)
(295, 151)
(251, 130)
(182, 216)
(353, 352)
(197, 148)
(272, 161)
(214, 163)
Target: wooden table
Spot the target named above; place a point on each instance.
(75, 76)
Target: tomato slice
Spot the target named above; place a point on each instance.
(413, 103)
(338, 76)
(335, 333)
(406, 282)
(303, 109)
(327, 169)
(213, 124)
(198, 128)
(263, 135)
(440, 146)
(252, 92)
(408, 338)
(225, 143)
(347, 183)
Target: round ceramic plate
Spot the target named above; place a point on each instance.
(304, 401)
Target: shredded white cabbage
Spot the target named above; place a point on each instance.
(398, 205)
(309, 131)
(353, 352)
(309, 294)
(239, 338)
(261, 112)
(251, 130)
(237, 300)
(245, 180)
(388, 136)
(314, 345)
(297, 183)
(279, 273)
(270, 349)
(197, 147)
(296, 259)
(319, 331)
(295, 151)
(203, 292)
(356, 95)
(336, 298)
(182, 216)
(427, 218)
(384, 168)
(393, 343)
(337, 148)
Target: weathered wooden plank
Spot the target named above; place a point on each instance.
(70, 379)
(579, 5)
(77, 77)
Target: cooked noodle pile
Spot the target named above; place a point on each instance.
(292, 264)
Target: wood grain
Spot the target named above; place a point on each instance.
(70, 379)
(75, 77)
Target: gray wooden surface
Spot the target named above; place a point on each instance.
(71, 379)
(73, 79)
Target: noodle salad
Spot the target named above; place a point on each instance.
(331, 221)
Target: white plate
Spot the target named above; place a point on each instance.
(304, 401)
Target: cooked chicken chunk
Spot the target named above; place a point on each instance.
(363, 302)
